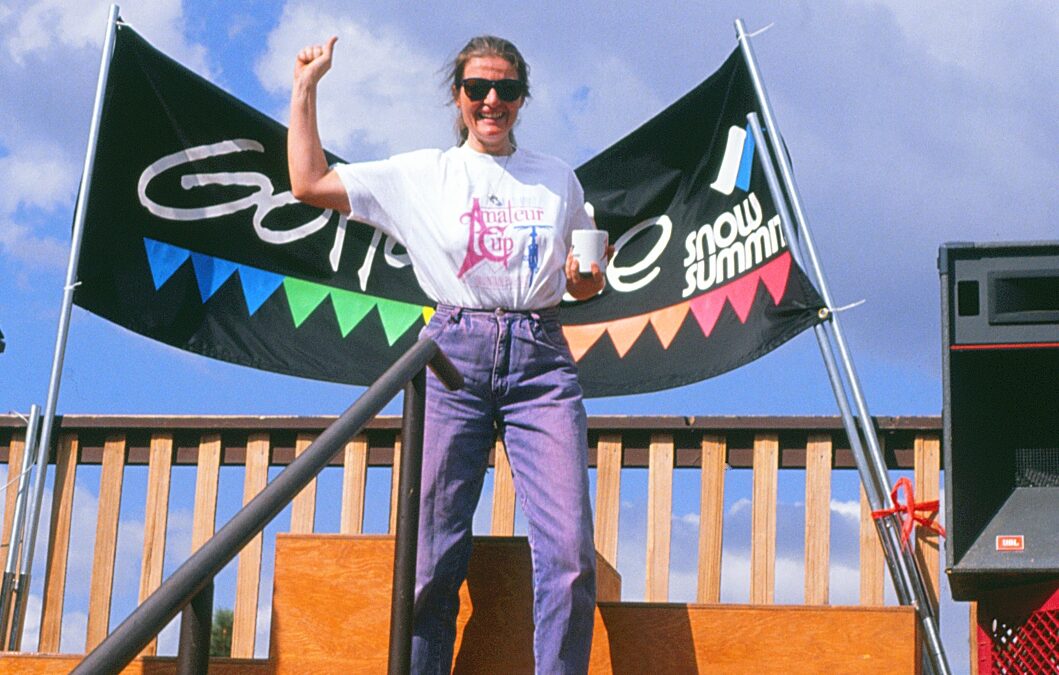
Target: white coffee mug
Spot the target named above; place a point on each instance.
(590, 246)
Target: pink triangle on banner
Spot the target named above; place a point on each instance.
(623, 332)
(581, 338)
(706, 308)
(775, 275)
(741, 294)
(667, 321)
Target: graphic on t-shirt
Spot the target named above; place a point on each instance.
(487, 239)
(532, 251)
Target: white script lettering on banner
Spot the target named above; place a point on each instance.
(263, 200)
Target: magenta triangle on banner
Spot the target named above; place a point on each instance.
(741, 293)
(706, 308)
(775, 274)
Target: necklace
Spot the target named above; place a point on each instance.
(491, 192)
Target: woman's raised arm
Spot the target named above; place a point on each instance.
(311, 180)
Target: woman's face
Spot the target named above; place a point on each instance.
(490, 120)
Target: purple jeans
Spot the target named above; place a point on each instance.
(521, 379)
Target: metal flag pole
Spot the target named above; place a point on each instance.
(907, 580)
(864, 467)
(48, 420)
(11, 585)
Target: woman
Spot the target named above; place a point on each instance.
(487, 226)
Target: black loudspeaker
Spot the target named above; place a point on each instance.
(1000, 369)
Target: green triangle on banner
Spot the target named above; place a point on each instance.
(303, 297)
(397, 317)
(350, 308)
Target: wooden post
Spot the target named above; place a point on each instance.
(15, 459)
(354, 482)
(204, 519)
(58, 544)
(503, 516)
(395, 482)
(818, 456)
(927, 451)
(303, 509)
(763, 519)
(608, 495)
(102, 584)
(156, 515)
(659, 516)
(711, 517)
(248, 575)
(872, 562)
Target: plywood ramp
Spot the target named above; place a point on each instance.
(331, 605)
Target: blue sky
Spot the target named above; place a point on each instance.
(909, 124)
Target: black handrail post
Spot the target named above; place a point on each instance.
(136, 631)
(196, 626)
(404, 557)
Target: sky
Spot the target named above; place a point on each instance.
(909, 125)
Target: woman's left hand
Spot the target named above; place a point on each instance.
(584, 287)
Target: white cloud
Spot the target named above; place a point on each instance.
(41, 27)
(739, 505)
(964, 35)
(382, 93)
(846, 509)
(44, 118)
(74, 630)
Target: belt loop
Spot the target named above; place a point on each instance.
(456, 314)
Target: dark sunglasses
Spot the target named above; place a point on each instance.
(477, 88)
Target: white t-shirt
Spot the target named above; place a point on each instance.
(482, 232)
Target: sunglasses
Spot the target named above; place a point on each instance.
(477, 88)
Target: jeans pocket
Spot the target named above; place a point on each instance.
(550, 332)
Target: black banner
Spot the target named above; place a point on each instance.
(192, 238)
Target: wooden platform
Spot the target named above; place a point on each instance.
(331, 614)
(331, 610)
(351, 576)
(59, 664)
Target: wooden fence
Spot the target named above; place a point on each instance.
(661, 445)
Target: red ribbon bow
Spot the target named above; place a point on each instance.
(911, 518)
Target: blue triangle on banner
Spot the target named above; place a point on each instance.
(258, 286)
(746, 162)
(211, 273)
(164, 259)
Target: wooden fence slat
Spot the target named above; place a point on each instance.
(872, 561)
(354, 482)
(248, 577)
(972, 637)
(303, 510)
(205, 516)
(927, 467)
(711, 517)
(763, 519)
(659, 516)
(106, 546)
(58, 544)
(503, 521)
(608, 494)
(15, 461)
(156, 517)
(395, 484)
(818, 458)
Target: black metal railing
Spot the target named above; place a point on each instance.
(190, 588)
